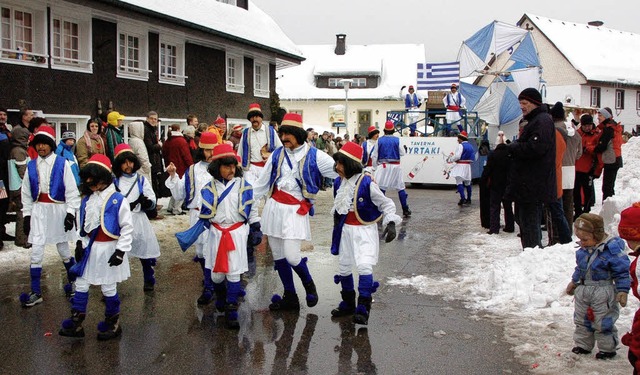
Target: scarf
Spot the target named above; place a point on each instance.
(88, 136)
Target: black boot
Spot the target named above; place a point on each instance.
(312, 294)
(406, 212)
(110, 328)
(231, 316)
(347, 306)
(288, 302)
(221, 296)
(361, 316)
(72, 327)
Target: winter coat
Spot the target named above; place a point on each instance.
(136, 141)
(154, 148)
(5, 149)
(589, 162)
(496, 171)
(176, 150)
(66, 152)
(561, 146)
(632, 338)
(611, 263)
(84, 152)
(114, 136)
(533, 174)
(610, 143)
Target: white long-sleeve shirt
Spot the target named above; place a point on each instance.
(45, 165)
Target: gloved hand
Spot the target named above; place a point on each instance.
(389, 232)
(402, 88)
(621, 297)
(116, 258)
(69, 222)
(255, 234)
(26, 225)
(146, 203)
(571, 287)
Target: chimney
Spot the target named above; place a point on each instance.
(596, 23)
(341, 40)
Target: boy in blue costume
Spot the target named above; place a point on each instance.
(106, 229)
(358, 205)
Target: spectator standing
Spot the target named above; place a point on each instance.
(610, 145)
(176, 150)
(588, 166)
(136, 141)
(113, 134)
(557, 227)
(5, 149)
(154, 150)
(65, 149)
(91, 142)
(189, 134)
(17, 168)
(496, 175)
(236, 135)
(533, 177)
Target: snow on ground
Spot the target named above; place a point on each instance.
(524, 290)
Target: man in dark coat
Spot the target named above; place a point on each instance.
(154, 149)
(496, 176)
(533, 177)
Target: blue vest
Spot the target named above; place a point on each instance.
(388, 148)
(210, 200)
(467, 152)
(246, 147)
(56, 182)
(456, 101)
(307, 168)
(109, 218)
(366, 154)
(365, 210)
(411, 100)
(190, 184)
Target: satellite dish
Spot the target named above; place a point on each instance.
(568, 98)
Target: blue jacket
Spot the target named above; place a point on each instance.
(611, 263)
(66, 152)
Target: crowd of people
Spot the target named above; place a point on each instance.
(100, 193)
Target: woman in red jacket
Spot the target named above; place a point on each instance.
(588, 166)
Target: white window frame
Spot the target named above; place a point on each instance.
(619, 99)
(234, 72)
(141, 72)
(595, 97)
(172, 79)
(261, 79)
(637, 100)
(77, 122)
(230, 2)
(334, 83)
(84, 60)
(359, 82)
(12, 53)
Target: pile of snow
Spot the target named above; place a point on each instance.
(524, 290)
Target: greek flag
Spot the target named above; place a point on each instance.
(438, 76)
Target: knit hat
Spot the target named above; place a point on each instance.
(208, 140)
(531, 95)
(113, 117)
(68, 135)
(629, 227)
(292, 119)
(557, 111)
(254, 110)
(122, 147)
(222, 151)
(463, 135)
(586, 119)
(591, 223)
(219, 121)
(101, 160)
(46, 135)
(237, 127)
(189, 131)
(389, 125)
(352, 150)
(605, 112)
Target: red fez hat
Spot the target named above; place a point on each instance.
(223, 150)
(101, 160)
(122, 147)
(371, 128)
(463, 135)
(208, 140)
(292, 119)
(254, 110)
(352, 150)
(389, 125)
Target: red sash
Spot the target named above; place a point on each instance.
(286, 198)
(352, 219)
(226, 245)
(45, 198)
(453, 107)
(259, 163)
(463, 162)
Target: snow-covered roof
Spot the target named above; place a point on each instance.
(253, 26)
(395, 64)
(599, 53)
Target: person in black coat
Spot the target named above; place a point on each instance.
(533, 176)
(496, 174)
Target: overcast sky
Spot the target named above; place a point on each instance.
(441, 25)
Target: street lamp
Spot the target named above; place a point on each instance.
(346, 83)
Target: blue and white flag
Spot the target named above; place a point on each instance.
(438, 76)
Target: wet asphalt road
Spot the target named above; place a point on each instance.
(165, 332)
